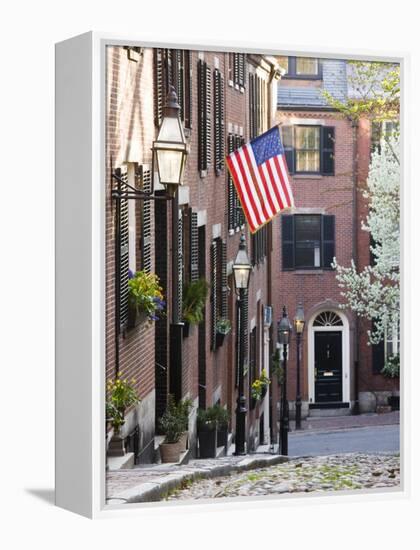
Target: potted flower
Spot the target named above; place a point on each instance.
(391, 369)
(194, 300)
(259, 386)
(145, 298)
(207, 432)
(172, 426)
(222, 417)
(122, 395)
(223, 327)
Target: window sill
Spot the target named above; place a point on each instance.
(302, 175)
(312, 271)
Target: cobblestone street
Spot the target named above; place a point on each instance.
(330, 473)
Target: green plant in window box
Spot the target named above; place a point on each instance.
(223, 326)
(259, 386)
(391, 368)
(145, 297)
(194, 300)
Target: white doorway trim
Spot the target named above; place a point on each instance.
(345, 335)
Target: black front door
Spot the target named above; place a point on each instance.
(328, 367)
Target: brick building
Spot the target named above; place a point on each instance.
(328, 158)
(226, 99)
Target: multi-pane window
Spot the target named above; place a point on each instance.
(386, 348)
(382, 130)
(259, 245)
(258, 105)
(301, 67)
(309, 149)
(308, 241)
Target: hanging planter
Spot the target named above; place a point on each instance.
(145, 298)
(223, 327)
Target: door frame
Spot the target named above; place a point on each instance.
(345, 350)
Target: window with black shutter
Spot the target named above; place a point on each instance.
(378, 354)
(173, 67)
(145, 180)
(122, 252)
(308, 241)
(219, 122)
(236, 217)
(252, 376)
(194, 251)
(309, 149)
(219, 286)
(204, 117)
(259, 245)
(237, 70)
(180, 274)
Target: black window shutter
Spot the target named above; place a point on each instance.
(194, 267)
(288, 146)
(251, 80)
(213, 284)
(145, 175)
(327, 153)
(288, 249)
(328, 241)
(201, 114)
(187, 70)
(231, 190)
(208, 117)
(180, 274)
(159, 82)
(224, 280)
(122, 253)
(219, 131)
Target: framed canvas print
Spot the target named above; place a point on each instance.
(228, 273)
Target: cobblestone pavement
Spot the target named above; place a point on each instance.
(328, 473)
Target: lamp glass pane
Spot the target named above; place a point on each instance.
(171, 130)
(169, 163)
(241, 276)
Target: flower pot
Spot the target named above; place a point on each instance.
(220, 338)
(169, 452)
(207, 439)
(186, 329)
(222, 436)
(135, 318)
(264, 392)
(183, 441)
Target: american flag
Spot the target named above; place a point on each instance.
(261, 179)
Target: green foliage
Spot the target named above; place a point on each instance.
(194, 300)
(172, 422)
(392, 367)
(207, 418)
(220, 414)
(277, 366)
(259, 385)
(376, 88)
(121, 396)
(146, 294)
(183, 410)
(223, 326)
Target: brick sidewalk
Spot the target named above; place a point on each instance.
(351, 421)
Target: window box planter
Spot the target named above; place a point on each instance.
(170, 452)
(135, 317)
(220, 338)
(186, 329)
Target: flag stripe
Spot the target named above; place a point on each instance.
(263, 191)
(241, 189)
(284, 180)
(249, 185)
(266, 168)
(278, 181)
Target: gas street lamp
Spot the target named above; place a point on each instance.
(283, 337)
(242, 272)
(299, 322)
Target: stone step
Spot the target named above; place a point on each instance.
(323, 413)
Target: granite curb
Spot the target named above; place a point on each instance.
(154, 491)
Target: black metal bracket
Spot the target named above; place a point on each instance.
(133, 193)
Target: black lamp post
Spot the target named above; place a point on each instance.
(242, 272)
(283, 334)
(170, 152)
(299, 322)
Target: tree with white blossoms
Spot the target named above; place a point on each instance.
(374, 292)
